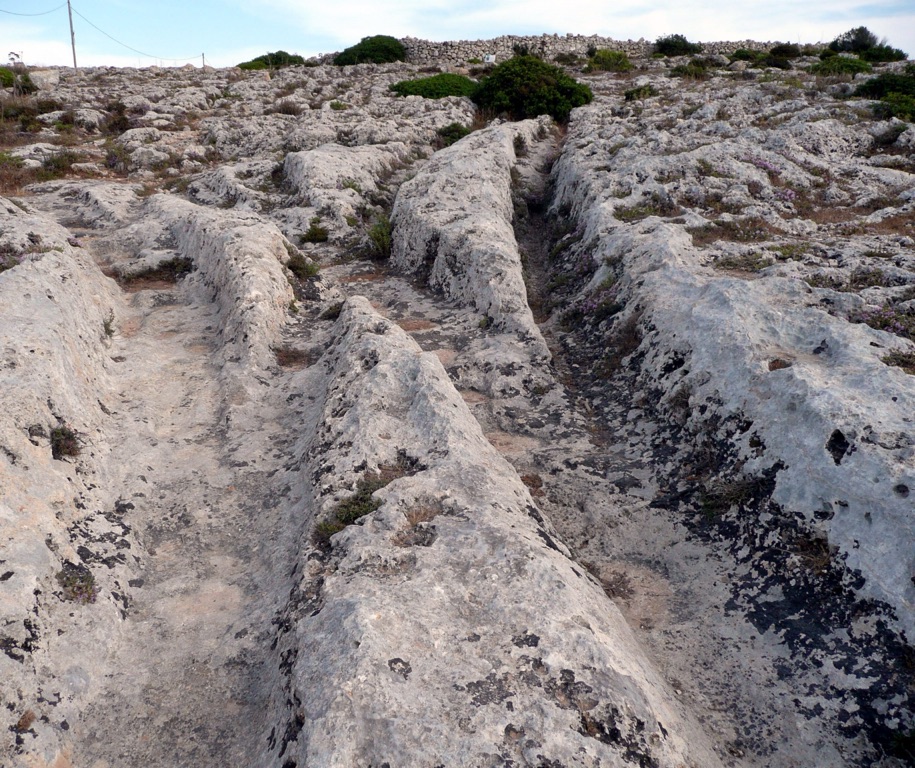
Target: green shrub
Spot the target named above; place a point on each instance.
(78, 584)
(899, 105)
(742, 54)
(380, 237)
(694, 70)
(450, 134)
(676, 45)
(827, 53)
(64, 442)
(436, 87)
(7, 77)
(609, 61)
(379, 49)
(776, 62)
(855, 40)
(273, 60)
(881, 53)
(301, 267)
(785, 51)
(314, 234)
(525, 87)
(640, 92)
(840, 65)
(57, 164)
(885, 84)
(567, 59)
(351, 509)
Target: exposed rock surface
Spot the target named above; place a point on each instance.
(610, 464)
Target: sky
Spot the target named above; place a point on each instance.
(135, 33)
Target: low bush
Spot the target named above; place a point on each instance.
(640, 92)
(117, 121)
(378, 49)
(743, 54)
(785, 51)
(897, 105)
(451, 133)
(694, 70)
(380, 237)
(286, 107)
(301, 267)
(883, 85)
(315, 232)
(351, 509)
(56, 165)
(881, 53)
(274, 60)
(676, 45)
(18, 79)
(777, 62)
(525, 87)
(609, 61)
(13, 176)
(77, 584)
(840, 65)
(436, 87)
(64, 442)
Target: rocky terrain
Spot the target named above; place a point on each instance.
(324, 444)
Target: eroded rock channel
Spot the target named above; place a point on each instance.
(602, 465)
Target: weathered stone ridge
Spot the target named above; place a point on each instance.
(460, 52)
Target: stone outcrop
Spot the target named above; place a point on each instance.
(409, 629)
(609, 464)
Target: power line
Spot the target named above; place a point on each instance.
(129, 48)
(43, 13)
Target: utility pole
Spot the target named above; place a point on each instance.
(72, 36)
(203, 60)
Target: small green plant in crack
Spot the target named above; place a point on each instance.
(380, 237)
(791, 251)
(901, 359)
(748, 262)
(315, 232)
(640, 92)
(64, 442)
(108, 325)
(301, 267)
(351, 184)
(656, 205)
(449, 134)
(705, 168)
(361, 503)
(77, 584)
(169, 271)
